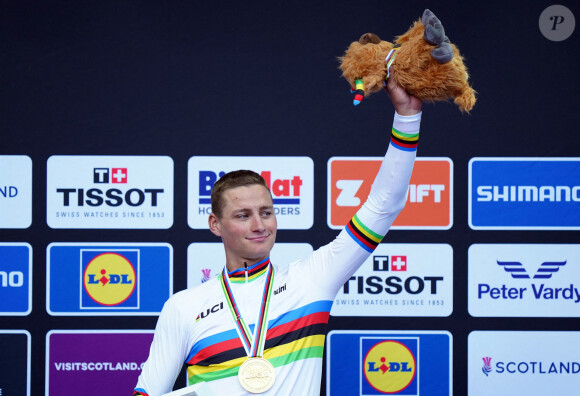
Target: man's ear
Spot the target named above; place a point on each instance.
(214, 224)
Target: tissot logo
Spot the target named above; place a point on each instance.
(107, 175)
(110, 192)
(524, 280)
(290, 180)
(406, 283)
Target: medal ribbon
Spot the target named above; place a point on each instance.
(254, 345)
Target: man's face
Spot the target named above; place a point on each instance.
(247, 225)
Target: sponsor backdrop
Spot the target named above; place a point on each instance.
(118, 117)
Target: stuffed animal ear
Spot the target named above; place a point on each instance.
(369, 38)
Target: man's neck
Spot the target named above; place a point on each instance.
(242, 263)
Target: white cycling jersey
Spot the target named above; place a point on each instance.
(196, 327)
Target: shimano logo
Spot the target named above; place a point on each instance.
(11, 279)
(528, 194)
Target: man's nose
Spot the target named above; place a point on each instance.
(257, 223)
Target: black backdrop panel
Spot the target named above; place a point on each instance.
(192, 78)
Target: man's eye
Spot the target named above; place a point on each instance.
(267, 213)
(241, 216)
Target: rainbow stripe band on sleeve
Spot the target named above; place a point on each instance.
(404, 141)
(362, 235)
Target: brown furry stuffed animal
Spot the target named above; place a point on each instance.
(422, 61)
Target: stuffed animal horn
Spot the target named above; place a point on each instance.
(423, 61)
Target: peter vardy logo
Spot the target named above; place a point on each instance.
(518, 271)
(524, 280)
(524, 193)
(406, 283)
(110, 192)
(290, 180)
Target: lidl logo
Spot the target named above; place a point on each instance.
(429, 198)
(390, 366)
(108, 278)
(370, 363)
(290, 180)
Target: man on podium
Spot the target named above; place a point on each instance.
(258, 328)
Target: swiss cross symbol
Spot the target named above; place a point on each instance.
(119, 175)
(399, 263)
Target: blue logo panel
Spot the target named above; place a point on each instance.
(535, 193)
(15, 279)
(108, 279)
(394, 363)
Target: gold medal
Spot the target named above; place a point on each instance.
(256, 375)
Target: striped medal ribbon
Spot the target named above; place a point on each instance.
(256, 374)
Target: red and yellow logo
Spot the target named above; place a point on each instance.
(389, 367)
(428, 199)
(109, 279)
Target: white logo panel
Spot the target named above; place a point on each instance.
(524, 280)
(400, 280)
(531, 363)
(290, 179)
(15, 191)
(207, 260)
(109, 192)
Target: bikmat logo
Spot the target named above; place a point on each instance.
(524, 193)
(429, 198)
(290, 180)
(110, 192)
(390, 366)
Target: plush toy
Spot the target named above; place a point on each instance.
(423, 61)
